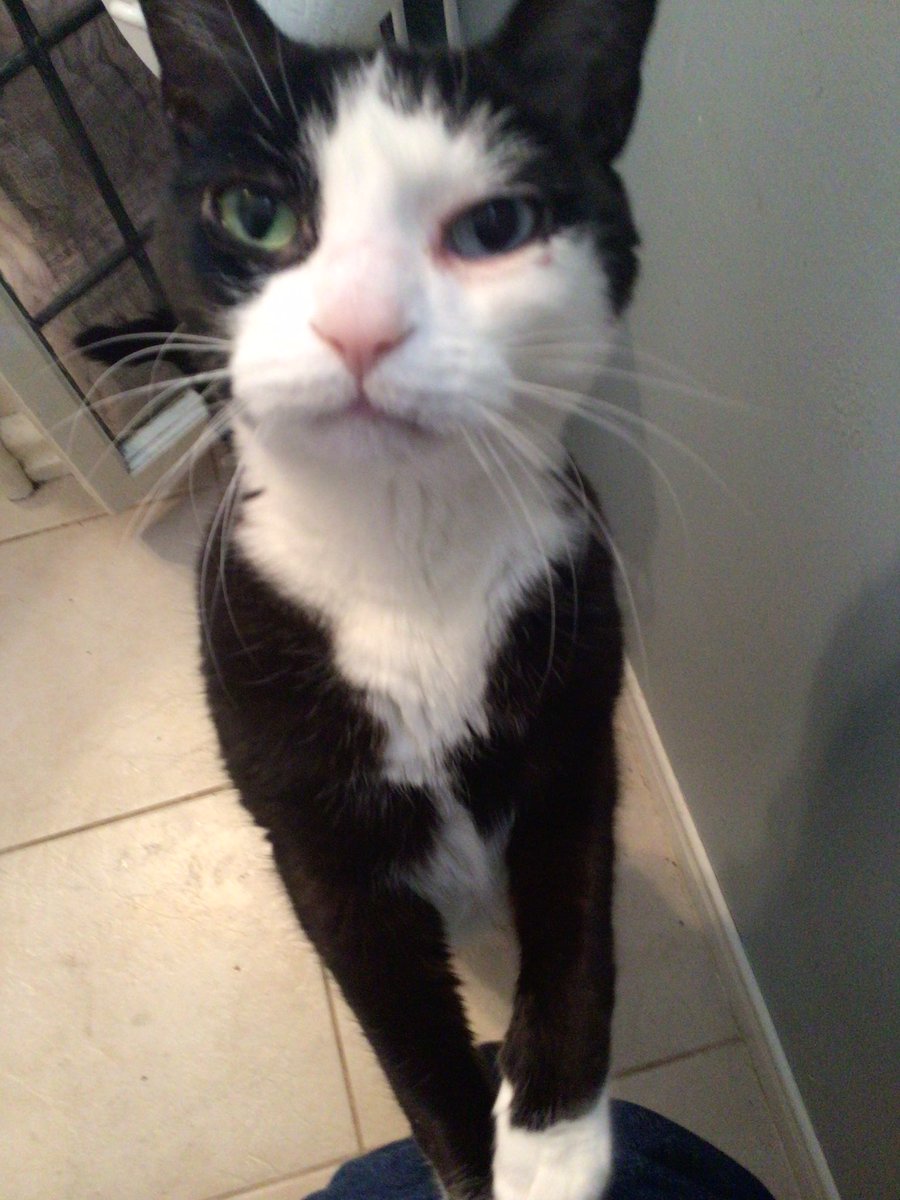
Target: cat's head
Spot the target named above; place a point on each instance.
(400, 245)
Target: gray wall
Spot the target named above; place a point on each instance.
(765, 177)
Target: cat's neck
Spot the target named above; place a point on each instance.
(415, 571)
(425, 532)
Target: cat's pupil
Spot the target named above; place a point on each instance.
(496, 223)
(257, 213)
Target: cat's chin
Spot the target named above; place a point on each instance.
(357, 432)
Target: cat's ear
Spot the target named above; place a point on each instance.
(580, 62)
(208, 50)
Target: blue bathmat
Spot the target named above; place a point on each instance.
(655, 1160)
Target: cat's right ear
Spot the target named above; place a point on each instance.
(209, 51)
(579, 62)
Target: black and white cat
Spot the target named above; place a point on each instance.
(412, 648)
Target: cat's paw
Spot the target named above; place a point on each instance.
(571, 1160)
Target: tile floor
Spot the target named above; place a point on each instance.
(166, 1033)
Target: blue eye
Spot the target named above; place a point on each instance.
(496, 227)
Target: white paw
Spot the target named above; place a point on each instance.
(571, 1160)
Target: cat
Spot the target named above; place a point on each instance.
(411, 644)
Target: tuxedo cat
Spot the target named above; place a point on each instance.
(411, 643)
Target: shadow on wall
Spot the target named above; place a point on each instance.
(833, 917)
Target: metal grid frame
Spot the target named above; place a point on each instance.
(35, 52)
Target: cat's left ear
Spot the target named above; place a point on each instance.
(579, 62)
(209, 51)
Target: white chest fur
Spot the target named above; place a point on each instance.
(416, 578)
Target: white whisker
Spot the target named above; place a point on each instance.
(539, 546)
(600, 525)
(253, 58)
(238, 82)
(287, 87)
(580, 403)
(135, 356)
(216, 530)
(231, 494)
(689, 391)
(609, 425)
(511, 436)
(146, 411)
(160, 491)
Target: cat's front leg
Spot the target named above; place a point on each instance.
(387, 950)
(552, 1117)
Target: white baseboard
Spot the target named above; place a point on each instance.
(801, 1144)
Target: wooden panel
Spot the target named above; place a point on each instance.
(54, 225)
(118, 101)
(46, 13)
(9, 38)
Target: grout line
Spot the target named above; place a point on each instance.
(345, 1066)
(734, 1040)
(115, 819)
(86, 519)
(291, 1177)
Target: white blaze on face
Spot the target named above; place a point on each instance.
(449, 333)
(414, 550)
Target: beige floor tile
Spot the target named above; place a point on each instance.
(669, 996)
(59, 502)
(716, 1094)
(102, 711)
(487, 967)
(165, 1027)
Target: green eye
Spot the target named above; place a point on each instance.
(257, 218)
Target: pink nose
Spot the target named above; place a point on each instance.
(362, 333)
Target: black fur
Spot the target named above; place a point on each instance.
(581, 63)
(303, 751)
(298, 740)
(112, 343)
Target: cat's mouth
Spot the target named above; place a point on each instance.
(364, 411)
